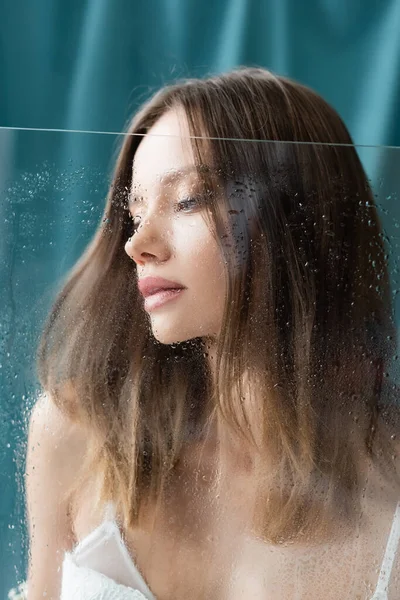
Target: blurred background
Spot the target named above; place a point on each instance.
(72, 73)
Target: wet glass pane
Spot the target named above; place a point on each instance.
(229, 430)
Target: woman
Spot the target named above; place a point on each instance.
(217, 419)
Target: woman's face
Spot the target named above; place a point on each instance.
(172, 239)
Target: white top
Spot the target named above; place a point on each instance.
(388, 558)
(101, 568)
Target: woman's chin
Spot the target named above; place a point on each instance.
(172, 335)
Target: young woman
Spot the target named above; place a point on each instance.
(218, 417)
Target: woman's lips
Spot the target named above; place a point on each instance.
(161, 297)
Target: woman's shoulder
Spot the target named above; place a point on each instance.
(54, 453)
(60, 441)
(56, 423)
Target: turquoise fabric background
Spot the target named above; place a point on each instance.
(86, 65)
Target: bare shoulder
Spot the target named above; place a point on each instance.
(54, 453)
(56, 447)
(51, 427)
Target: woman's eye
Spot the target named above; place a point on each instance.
(134, 222)
(189, 203)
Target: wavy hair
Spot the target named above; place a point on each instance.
(307, 332)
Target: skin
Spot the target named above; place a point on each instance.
(172, 238)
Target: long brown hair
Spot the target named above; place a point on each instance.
(307, 332)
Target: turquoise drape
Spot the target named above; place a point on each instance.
(84, 65)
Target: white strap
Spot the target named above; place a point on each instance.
(109, 512)
(388, 559)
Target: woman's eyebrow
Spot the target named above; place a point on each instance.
(169, 177)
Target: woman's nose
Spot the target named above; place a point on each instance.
(147, 242)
